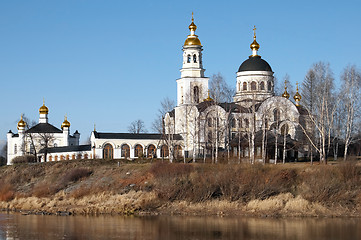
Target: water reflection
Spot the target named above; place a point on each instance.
(15, 226)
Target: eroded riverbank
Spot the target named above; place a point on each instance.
(106, 187)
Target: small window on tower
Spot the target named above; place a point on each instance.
(253, 86)
(262, 86)
(196, 94)
(194, 58)
(244, 86)
(269, 86)
(188, 58)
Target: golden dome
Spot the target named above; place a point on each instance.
(208, 99)
(21, 123)
(192, 39)
(66, 123)
(43, 109)
(297, 96)
(254, 45)
(286, 94)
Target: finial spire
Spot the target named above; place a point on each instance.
(192, 17)
(297, 96)
(254, 45)
(286, 94)
(94, 128)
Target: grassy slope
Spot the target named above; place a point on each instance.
(100, 186)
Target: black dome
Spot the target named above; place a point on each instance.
(254, 63)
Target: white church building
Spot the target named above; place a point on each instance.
(198, 126)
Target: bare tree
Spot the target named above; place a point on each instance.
(219, 90)
(137, 127)
(350, 99)
(45, 140)
(322, 116)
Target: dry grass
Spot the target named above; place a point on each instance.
(100, 186)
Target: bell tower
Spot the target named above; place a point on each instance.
(192, 87)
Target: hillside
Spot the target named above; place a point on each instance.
(102, 186)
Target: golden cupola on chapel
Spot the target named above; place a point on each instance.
(66, 123)
(21, 123)
(192, 39)
(285, 93)
(43, 109)
(297, 96)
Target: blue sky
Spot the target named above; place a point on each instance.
(112, 62)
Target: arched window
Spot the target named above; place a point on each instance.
(164, 151)
(178, 151)
(125, 151)
(151, 151)
(261, 86)
(67, 157)
(276, 115)
(73, 157)
(56, 158)
(138, 151)
(240, 125)
(188, 58)
(246, 122)
(196, 94)
(210, 136)
(284, 129)
(62, 157)
(15, 149)
(233, 123)
(108, 151)
(269, 86)
(86, 156)
(253, 85)
(78, 156)
(244, 86)
(209, 120)
(50, 158)
(266, 122)
(195, 58)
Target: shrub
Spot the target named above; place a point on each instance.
(6, 192)
(24, 159)
(76, 174)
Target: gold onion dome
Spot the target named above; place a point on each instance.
(66, 123)
(21, 123)
(192, 39)
(254, 45)
(297, 96)
(286, 94)
(208, 99)
(43, 109)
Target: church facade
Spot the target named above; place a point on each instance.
(250, 127)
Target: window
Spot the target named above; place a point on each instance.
(244, 86)
(261, 86)
(151, 151)
(209, 122)
(73, 157)
(56, 158)
(188, 58)
(240, 125)
(50, 158)
(233, 123)
(125, 151)
(195, 58)
(210, 136)
(138, 151)
(164, 151)
(108, 151)
(276, 115)
(55, 145)
(284, 129)
(196, 94)
(62, 157)
(15, 149)
(269, 86)
(178, 151)
(253, 85)
(86, 156)
(266, 123)
(67, 157)
(246, 122)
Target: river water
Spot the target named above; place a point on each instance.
(29, 227)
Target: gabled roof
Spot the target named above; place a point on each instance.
(44, 128)
(151, 136)
(77, 148)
